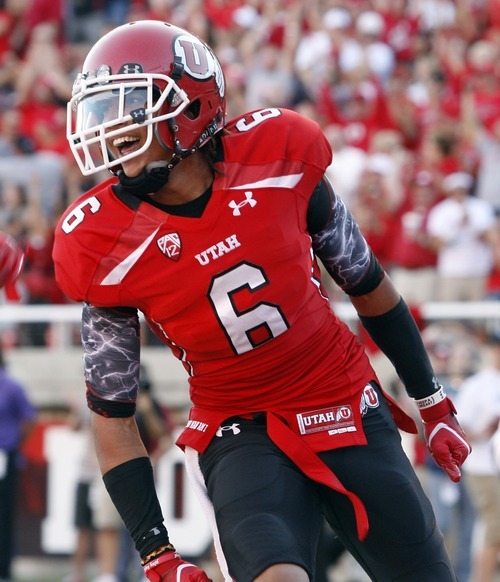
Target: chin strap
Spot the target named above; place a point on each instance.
(151, 179)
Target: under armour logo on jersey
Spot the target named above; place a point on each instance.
(233, 427)
(170, 245)
(236, 206)
(131, 69)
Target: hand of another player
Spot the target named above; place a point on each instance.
(11, 263)
(170, 567)
(445, 438)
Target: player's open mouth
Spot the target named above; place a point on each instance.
(126, 144)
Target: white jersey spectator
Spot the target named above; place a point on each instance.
(318, 49)
(488, 176)
(478, 404)
(462, 228)
(367, 49)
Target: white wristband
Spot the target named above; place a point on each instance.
(431, 400)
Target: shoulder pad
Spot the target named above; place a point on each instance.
(276, 133)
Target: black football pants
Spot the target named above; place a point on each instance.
(269, 512)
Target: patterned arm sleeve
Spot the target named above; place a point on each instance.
(339, 243)
(111, 346)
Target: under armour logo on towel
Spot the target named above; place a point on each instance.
(236, 206)
(233, 427)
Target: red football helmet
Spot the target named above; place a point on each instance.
(146, 73)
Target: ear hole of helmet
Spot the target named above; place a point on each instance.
(182, 133)
(192, 111)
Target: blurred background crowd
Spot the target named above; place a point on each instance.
(406, 91)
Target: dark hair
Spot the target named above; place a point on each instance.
(212, 150)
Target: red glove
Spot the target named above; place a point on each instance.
(11, 263)
(170, 568)
(445, 438)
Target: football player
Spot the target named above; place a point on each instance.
(213, 230)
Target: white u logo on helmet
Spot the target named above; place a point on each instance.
(198, 60)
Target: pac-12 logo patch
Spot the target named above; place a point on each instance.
(170, 245)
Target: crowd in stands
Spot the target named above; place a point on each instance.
(407, 91)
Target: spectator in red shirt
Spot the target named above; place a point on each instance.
(413, 259)
(358, 105)
(372, 211)
(220, 13)
(38, 13)
(401, 28)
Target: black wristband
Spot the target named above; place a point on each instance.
(398, 336)
(132, 489)
(109, 408)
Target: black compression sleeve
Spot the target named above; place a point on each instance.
(397, 335)
(337, 241)
(111, 343)
(370, 281)
(109, 408)
(320, 208)
(132, 489)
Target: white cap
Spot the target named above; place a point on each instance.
(381, 164)
(370, 22)
(457, 180)
(246, 16)
(336, 18)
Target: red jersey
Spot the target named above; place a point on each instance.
(235, 293)
(408, 250)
